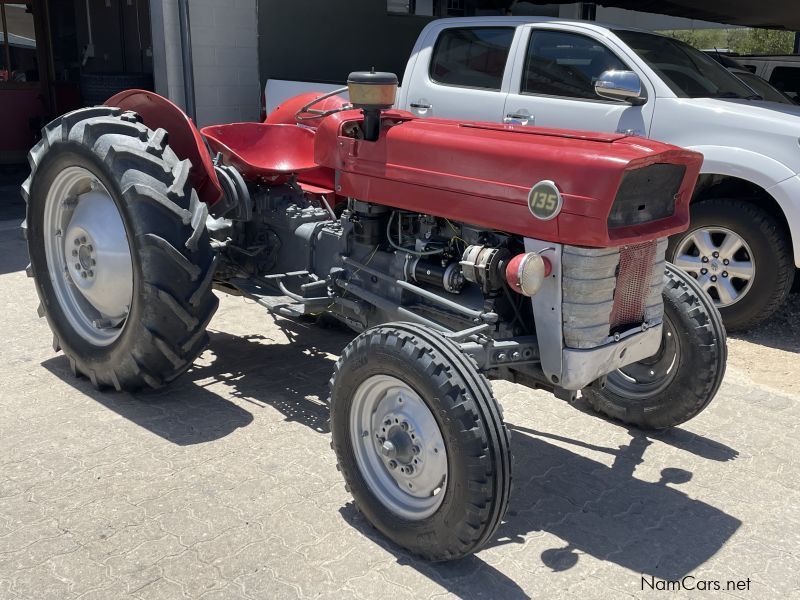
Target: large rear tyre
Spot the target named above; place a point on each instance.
(420, 441)
(118, 248)
(682, 378)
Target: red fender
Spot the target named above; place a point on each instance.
(184, 139)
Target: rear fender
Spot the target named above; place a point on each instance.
(184, 138)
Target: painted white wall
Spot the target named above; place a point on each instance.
(224, 53)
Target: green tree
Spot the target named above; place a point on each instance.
(742, 41)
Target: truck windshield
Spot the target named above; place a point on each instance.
(687, 71)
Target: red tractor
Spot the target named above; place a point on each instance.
(459, 252)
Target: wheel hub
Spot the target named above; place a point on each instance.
(720, 260)
(88, 255)
(400, 449)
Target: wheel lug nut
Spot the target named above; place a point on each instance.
(387, 422)
(90, 247)
(77, 242)
(94, 262)
(713, 278)
(724, 273)
(74, 253)
(83, 274)
(91, 273)
(703, 271)
(404, 426)
(77, 266)
(415, 450)
(705, 259)
(83, 239)
(715, 254)
(726, 262)
(392, 464)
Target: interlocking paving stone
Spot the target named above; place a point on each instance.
(223, 486)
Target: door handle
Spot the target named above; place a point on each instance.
(421, 106)
(518, 119)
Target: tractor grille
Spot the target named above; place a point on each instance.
(609, 290)
(646, 194)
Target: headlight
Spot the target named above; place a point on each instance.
(525, 273)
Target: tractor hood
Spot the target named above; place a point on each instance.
(483, 173)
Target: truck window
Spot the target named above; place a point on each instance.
(787, 80)
(565, 64)
(688, 72)
(471, 57)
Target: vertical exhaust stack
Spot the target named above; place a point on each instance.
(372, 92)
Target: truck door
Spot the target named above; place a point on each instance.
(552, 85)
(462, 75)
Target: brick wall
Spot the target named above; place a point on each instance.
(224, 52)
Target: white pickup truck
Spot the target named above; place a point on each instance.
(743, 244)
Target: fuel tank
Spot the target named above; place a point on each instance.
(613, 189)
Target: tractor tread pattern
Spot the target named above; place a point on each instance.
(166, 218)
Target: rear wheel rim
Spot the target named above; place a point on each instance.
(649, 377)
(721, 261)
(399, 447)
(88, 256)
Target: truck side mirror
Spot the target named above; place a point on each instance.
(620, 85)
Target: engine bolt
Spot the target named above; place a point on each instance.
(715, 254)
(705, 259)
(713, 278)
(392, 464)
(703, 271)
(724, 273)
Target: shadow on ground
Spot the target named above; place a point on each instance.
(606, 512)
(781, 331)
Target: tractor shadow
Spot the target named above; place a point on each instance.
(590, 508)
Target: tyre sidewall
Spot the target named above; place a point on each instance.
(61, 156)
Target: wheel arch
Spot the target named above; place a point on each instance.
(719, 180)
(185, 140)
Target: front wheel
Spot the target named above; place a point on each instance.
(420, 441)
(680, 380)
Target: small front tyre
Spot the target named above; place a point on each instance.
(682, 378)
(420, 441)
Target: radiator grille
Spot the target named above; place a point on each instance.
(633, 283)
(609, 290)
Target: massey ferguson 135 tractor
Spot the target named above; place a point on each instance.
(459, 252)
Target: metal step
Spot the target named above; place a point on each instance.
(272, 299)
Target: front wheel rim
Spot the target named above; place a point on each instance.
(88, 256)
(647, 378)
(721, 261)
(398, 447)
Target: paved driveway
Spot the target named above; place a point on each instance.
(223, 486)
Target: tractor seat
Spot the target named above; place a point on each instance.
(263, 150)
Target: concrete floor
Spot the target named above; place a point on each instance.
(223, 485)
